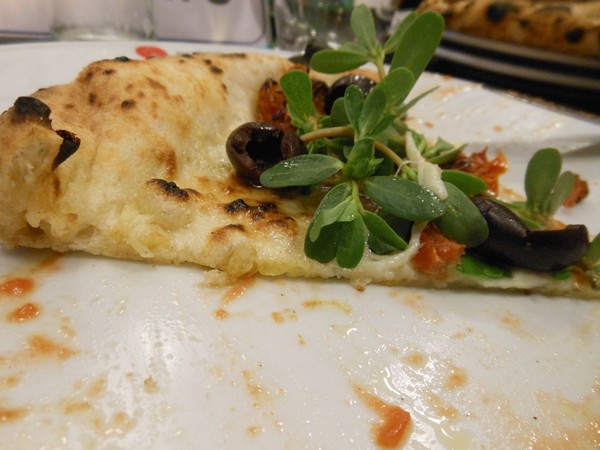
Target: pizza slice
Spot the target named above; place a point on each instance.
(561, 26)
(228, 162)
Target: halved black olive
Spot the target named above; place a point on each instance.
(338, 88)
(255, 146)
(512, 243)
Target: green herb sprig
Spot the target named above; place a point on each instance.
(366, 154)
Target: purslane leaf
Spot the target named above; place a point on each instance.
(371, 113)
(363, 26)
(354, 101)
(404, 198)
(351, 244)
(469, 184)
(392, 42)
(378, 227)
(297, 88)
(335, 61)
(396, 86)
(325, 247)
(542, 172)
(462, 221)
(562, 190)
(330, 209)
(418, 43)
(303, 170)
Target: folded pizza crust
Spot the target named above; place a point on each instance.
(128, 161)
(561, 26)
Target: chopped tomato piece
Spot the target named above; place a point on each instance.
(479, 165)
(272, 105)
(436, 252)
(579, 192)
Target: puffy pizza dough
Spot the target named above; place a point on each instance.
(561, 26)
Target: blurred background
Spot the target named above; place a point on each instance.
(556, 80)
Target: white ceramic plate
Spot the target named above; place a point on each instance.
(130, 355)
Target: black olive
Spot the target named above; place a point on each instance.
(338, 88)
(312, 47)
(254, 147)
(512, 243)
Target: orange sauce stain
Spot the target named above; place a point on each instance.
(415, 359)
(221, 314)
(11, 414)
(150, 386)
(26, 312)
(257, 392)
(9, 381)
(42, 346)
(254, 430)
(442, 410)
(457, 378)
(48, 265)
(16, 287)
(238, 289)
(285, 314)
(77, 407)
(277, 317)
(301, 340)
(316, 303)
(396, 421)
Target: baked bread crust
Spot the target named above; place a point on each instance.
(560, 26)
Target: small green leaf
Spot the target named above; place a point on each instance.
(592, 255)
(297, 88)
(404, 198)
(331, 208)
(470, 265)
(353, 47)
(338, 115)
(562, 190)
(360, 159)
(336, 61)
(363, 26)
(303, 170)
(396, 85)
(334, 214)
(324, 248)
(354, 101)
(462, 221)
(469, 184)
(371, 113)
(379, 228)
(418, 43)
(542, 173)
(351, 245)
(392, 42)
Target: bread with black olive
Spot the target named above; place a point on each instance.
(560, 26)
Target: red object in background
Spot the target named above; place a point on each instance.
(149, 51)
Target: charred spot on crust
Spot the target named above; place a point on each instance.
(92, 98)
(235, 55)
(122, 59)
(127, 104)
(575, 35)
(214, 69)
(31, 107)
(240, 205)
(69, 145)
(497, 11)
(170, 188)
(109, 71)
